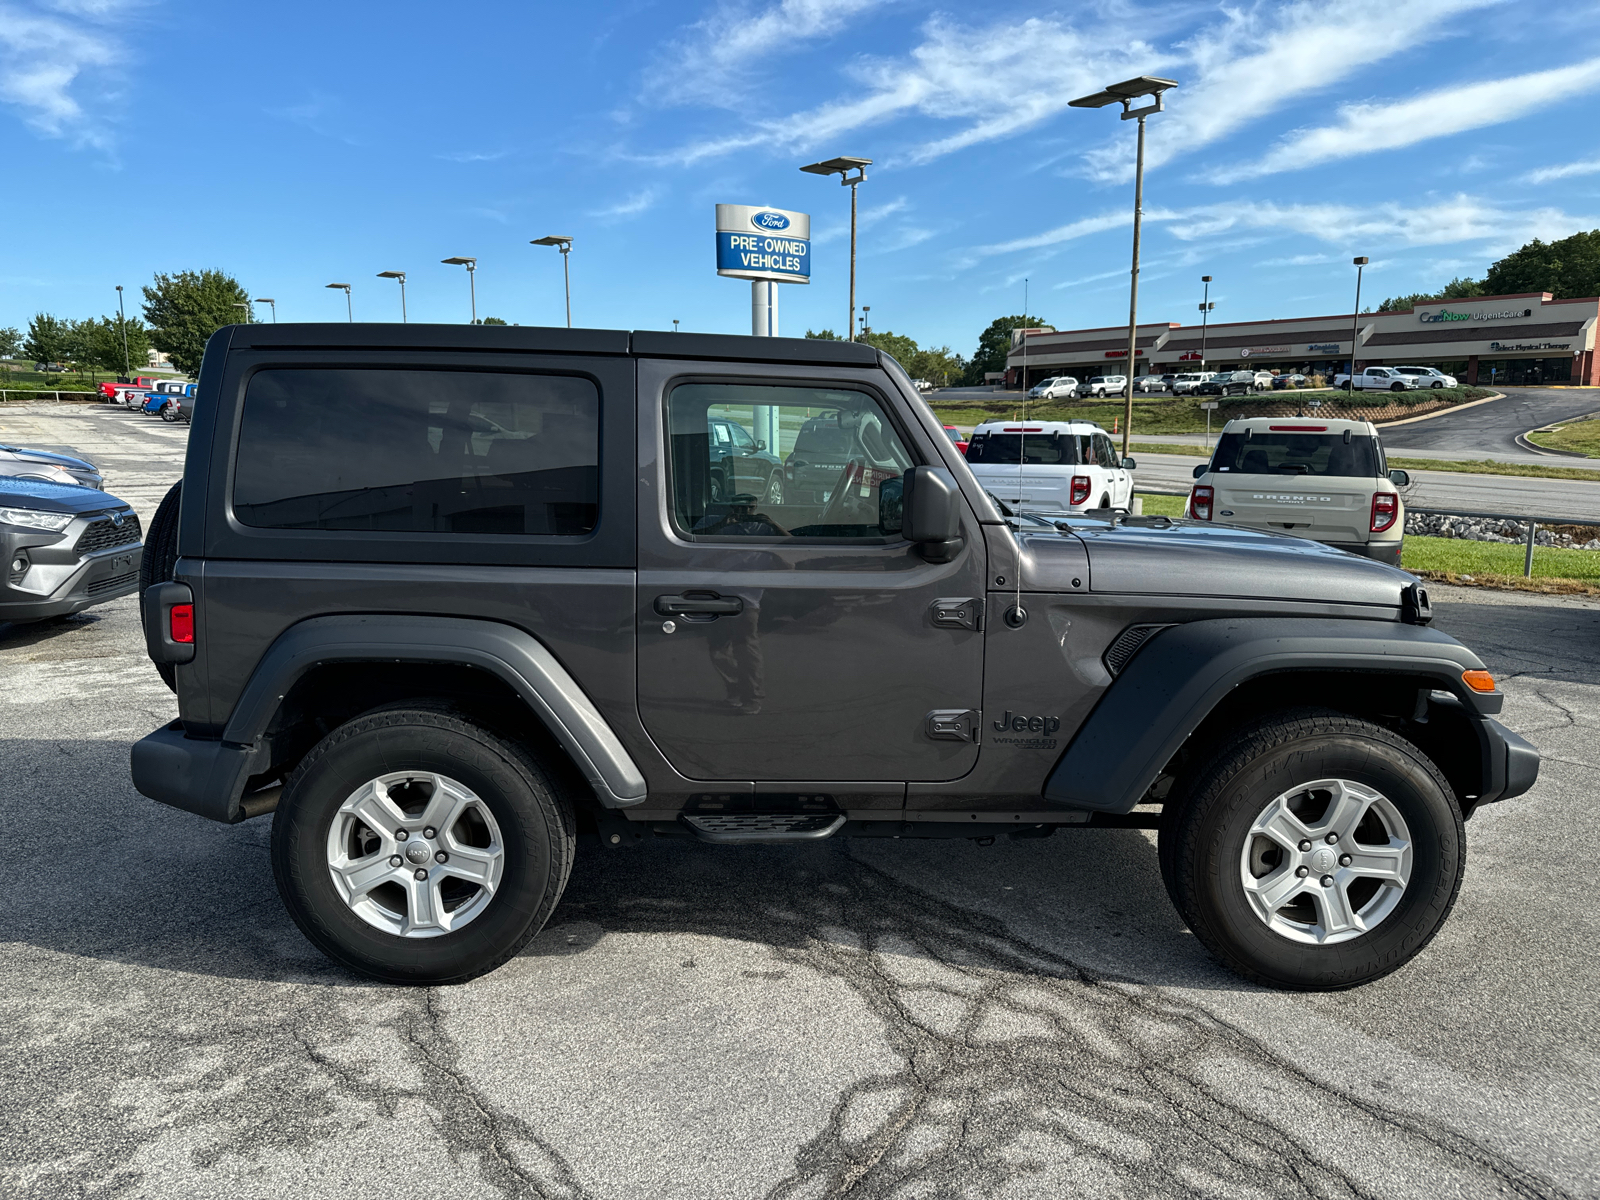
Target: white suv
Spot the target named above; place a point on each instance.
(1050, 466)
(1326, 480)
(1428, 377)
(1183, 384)
(1054, 388)
(1104, 385)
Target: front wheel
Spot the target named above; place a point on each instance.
(1436, 384)
(414, 846)
(1315, 851)
(1397, 387)
(775, 487)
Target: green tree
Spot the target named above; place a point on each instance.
(1458, 288)
(824, 335)
(994, 344)
(1568, 269)
(185, 309)
(49, 339)
(10, 341)
(99, 344)
(491, 321)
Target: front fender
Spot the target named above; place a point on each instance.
(1182, 673)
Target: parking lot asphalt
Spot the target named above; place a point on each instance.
(1491, 428)
(861, 1018)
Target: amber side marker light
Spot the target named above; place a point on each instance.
(1478, 681)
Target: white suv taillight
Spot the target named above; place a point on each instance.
(1082, 485)
(1200, 503)
(1385, 508)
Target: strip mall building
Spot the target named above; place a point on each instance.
(1523, 339)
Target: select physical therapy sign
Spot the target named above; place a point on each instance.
(763, 243)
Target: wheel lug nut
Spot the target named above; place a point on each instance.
(429, 832)
(423, 874)
(1305, 846)
(1333, 839)
(396, 860)
(400, 835)
(1327, 880)
(441, 857)
(1302, 871)
(1345, 860)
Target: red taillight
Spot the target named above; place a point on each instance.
(1200, 503)
(180, 623)
(1082, 485)
(1385, 508)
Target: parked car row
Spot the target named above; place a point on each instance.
(1059, 387)
(1395, 379)
(165, 398)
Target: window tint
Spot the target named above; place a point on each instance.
(1297, 454)
(1046, 449)
(797, 462)
(419, 452)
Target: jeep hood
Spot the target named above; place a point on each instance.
(1198, 558)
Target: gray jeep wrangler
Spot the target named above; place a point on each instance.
(442, 599)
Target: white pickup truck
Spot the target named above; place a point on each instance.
(1379, 379)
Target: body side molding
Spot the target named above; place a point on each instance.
(1182, 673)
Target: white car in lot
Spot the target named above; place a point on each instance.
(1326, 480)
(1428, 377)
(1187, 382)
(1380, 379)
(1057, 387)
(1104, 385)
(1050, 466)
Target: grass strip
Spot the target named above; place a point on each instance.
(1488, 467)
(1579, 437)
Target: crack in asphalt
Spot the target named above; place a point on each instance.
(1023, 1066)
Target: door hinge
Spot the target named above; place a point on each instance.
(957, 612)
(954, 724)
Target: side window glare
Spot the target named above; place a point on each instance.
(771, 463)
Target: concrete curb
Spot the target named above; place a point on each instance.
(1454, 408)
(1522, 440)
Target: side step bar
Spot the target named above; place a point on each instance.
(747, 828)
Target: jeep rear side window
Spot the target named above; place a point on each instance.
(757, 462)
(419, 451)
(1297, 454)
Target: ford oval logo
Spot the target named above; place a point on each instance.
(769, 220)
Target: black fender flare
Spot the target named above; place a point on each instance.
(208, 777)
(1180, 675)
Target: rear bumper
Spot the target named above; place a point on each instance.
(206, 778)
(1387, 553)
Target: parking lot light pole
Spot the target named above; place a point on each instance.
(842, 168)
(1205, 318)
(1125, 93)
(348, 311)
(122, 320)
(244, 304)
(1355, 324)
(399, 277)
(272, 302)
(564, 244)
(471, 264)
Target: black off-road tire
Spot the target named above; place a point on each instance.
(535, 816)
(1206, 821)
(161, 557)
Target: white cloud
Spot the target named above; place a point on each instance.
(1369, 128)
(52, 53)
(472, 156)
(1062, 233)
(869, 214)
(724, 52)
(630, 206)
(1259, 59)
(1569, 171)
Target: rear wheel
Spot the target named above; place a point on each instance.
(414, 846)
(775, 487)
(161, 556)
(1314, 851)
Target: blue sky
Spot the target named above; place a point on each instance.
(297, 144)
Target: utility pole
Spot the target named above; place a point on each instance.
(1355, 324)
(122, 320)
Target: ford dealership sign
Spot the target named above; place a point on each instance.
(763, 243)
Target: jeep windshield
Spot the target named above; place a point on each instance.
(1293, 453)
(1043, 449)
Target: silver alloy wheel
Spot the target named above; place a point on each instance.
(775, 487)
(415, 854)
(1326, 862)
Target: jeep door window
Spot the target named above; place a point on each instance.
(1289, 453)
(419, 451)
(798, 463)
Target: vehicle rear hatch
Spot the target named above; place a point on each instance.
(1299, 477)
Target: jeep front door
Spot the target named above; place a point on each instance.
(805, 639)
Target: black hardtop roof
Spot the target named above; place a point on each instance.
(334, 335)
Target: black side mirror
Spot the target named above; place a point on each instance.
(1129, 465)
(1400, 478)
(932, 512)
(1201, 469)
